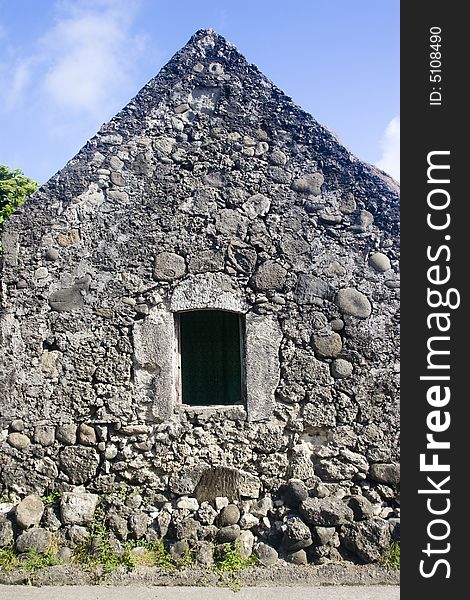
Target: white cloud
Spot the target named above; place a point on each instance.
(390, 159)
(83, 67)
(18, 82)
(89, 54)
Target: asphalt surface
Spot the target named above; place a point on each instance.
(359, 592)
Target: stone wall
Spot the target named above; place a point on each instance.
(211, 189)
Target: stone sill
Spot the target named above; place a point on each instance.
(233, 411)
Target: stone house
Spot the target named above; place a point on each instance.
(203, 304)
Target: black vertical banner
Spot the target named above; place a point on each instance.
(435, 330)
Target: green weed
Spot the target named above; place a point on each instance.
(229, 562)
(96, 549)
(391, 557)
(51, 499)
(8, 558)
(230, 559)
(151, 554)
(37, 560)
(97, 552)
(186, 560)
(31, 561)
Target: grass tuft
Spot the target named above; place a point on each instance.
(51, 499)
(8, 558)
(31, 561)
(229, 559)
(97, 552)
(37, 560)
(391, 557)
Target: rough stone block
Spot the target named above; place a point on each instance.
(36, 539)
(385, 473)
(309, 184)
(263, 337)
(29, 511)
(79, 463)
(77, 508)
(326, 512)
(267, 554)
(352, 302)
(169, 266)
(18, 440)
(270, 275)
(367, 539)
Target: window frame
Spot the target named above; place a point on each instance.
(178, 383)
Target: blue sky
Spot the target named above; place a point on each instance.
(67, 66)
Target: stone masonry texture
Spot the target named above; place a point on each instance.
(211, 190)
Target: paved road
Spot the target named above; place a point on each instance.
(16, 592)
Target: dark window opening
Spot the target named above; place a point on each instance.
(211, 366)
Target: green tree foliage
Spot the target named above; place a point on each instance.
(14, 189)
